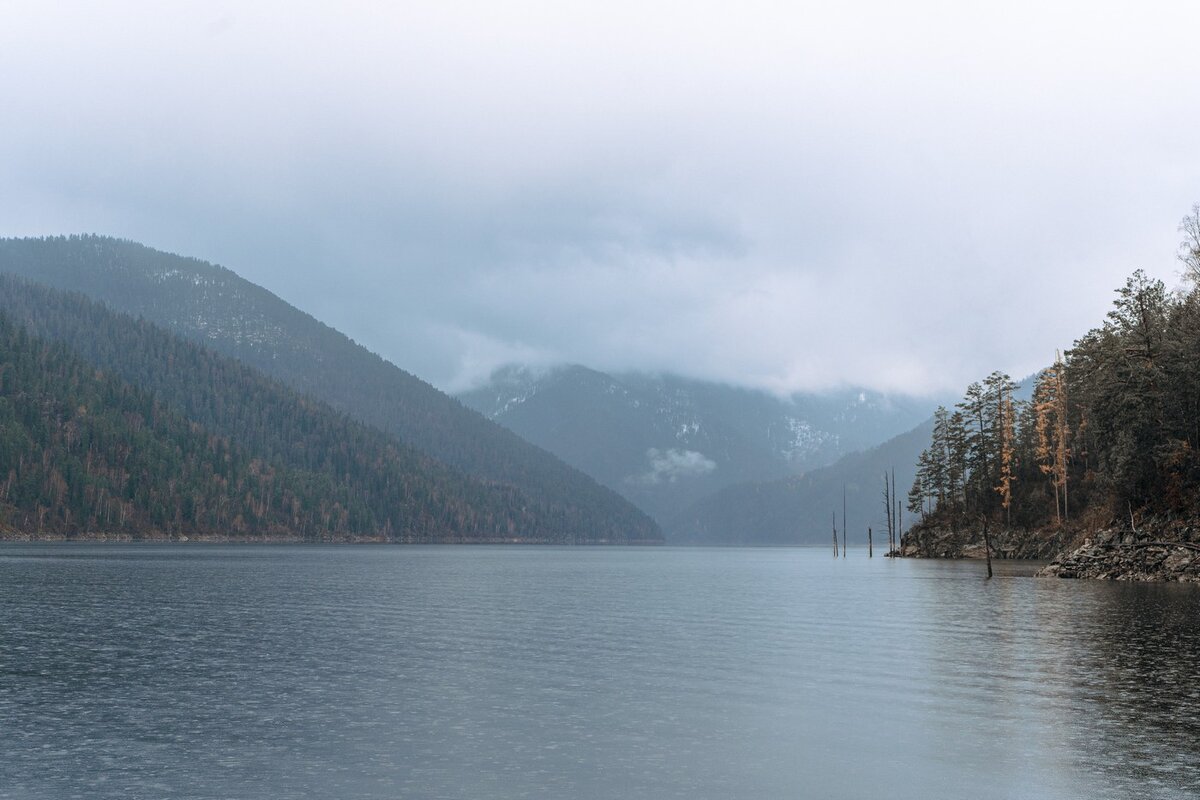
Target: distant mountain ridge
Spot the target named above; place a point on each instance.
(215, 307)
(665, 442)
(798, 509)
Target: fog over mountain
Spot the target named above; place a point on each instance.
(664, 442)
(770, 195)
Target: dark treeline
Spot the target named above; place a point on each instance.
(111, 424)
(1112, 429)
(215, 307)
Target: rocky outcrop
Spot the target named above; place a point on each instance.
(1157, 552)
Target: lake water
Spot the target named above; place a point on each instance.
(521, 672)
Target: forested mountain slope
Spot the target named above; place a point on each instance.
(203, 446)
(215, 307)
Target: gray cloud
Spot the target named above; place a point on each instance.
(901, 197)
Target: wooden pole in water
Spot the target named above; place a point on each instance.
(835, 544)
(844, 525)
(870, 545)
(887, 508)
(895, 516)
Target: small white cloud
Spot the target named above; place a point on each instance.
(672, 464)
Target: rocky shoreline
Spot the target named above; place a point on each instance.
(1159, 550)
(1126, 555)
(967, 542)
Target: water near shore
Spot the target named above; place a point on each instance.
(488, 672)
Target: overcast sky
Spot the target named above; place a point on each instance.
(898, 195)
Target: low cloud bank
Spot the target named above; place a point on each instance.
(668, 466)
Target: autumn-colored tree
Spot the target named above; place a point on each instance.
(1052, 449)
(1006, 434)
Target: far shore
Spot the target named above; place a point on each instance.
(96, 537)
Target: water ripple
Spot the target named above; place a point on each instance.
(299, 672)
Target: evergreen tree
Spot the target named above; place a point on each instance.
(1113, 426)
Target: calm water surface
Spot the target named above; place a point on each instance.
(442, 672)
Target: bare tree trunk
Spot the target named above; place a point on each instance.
(987, 546)
(895, 516)
(1066, 512)
(887, 508)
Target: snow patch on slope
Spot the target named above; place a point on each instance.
(803, 439)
